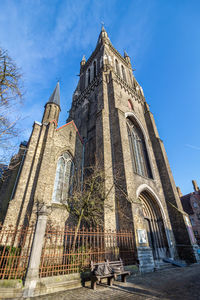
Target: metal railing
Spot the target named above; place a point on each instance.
(65, 251)
(15, 245)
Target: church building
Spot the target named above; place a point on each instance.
(110, 123)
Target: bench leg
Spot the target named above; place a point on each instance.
(110, 281)
(123, 278)
(93, 284)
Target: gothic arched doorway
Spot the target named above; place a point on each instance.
(154, 226)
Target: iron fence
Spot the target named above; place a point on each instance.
(15, 244)
(64, 250)
(67, 251)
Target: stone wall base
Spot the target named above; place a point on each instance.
(14, 289)
(146, 261)
(11, 288)
(48, 285)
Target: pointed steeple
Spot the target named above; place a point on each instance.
(102, 28)
(55, 97)
(103, 34)
(125, 54)
(83, 61)
(127, 58)
(52, 107)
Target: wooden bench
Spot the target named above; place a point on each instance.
(96, 275)
(118, 269)
(109, 270)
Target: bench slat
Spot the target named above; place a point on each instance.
(110, 276)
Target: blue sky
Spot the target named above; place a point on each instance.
(48, 38)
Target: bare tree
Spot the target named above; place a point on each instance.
(88, 199)
(10, 79)
(10, 96)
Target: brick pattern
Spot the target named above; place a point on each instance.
(99, 110)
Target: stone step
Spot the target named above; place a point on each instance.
(164, 266)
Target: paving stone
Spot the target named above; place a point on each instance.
(169, 284)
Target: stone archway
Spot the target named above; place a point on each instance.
(154, 225)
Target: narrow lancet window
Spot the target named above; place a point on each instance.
(139, 155)
(88, 76)
(95, 68)
(123, 73)
(117, 67)
(64, 179)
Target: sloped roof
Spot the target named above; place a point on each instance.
(55, 97)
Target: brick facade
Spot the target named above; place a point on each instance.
(106, 98)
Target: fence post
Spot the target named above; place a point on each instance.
(32, 274)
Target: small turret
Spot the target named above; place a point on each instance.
(127, 58)
(195, 186)
(83, 61)
(179, 191)
(52, 107)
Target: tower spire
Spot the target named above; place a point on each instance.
(55, 97)
(52, 107)
(83, 61)
(125, 54)
(103, 34)
(102, 26)
(127, 58)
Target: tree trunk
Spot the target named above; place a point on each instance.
(77, 229)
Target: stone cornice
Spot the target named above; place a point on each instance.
(112, 48)
(92, 56)
(95, 82)
(98, 79)
(127, 88)
(119, 55)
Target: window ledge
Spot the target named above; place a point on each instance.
(57, 204)
(147, 178)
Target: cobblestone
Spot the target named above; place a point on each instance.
(170, 284)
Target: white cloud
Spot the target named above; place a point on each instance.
(192, 147)
(41, 36)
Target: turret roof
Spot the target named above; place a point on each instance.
(55, 97)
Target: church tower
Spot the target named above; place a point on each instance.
(112, 115)
(46, 166)
(109, 125)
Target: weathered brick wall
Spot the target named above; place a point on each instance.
(36, 181)
(173, 202)
(9, 180)
(100, 109)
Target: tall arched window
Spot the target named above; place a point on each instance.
(139, 155)
(88, 76)
(123, 73)
(117, 67)
(95, 68)
(64, 179)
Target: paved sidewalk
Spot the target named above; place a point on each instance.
(173, 284)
